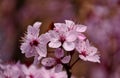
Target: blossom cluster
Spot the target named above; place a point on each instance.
(22, 71)
(65, 38)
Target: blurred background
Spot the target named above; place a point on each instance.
(101, 16)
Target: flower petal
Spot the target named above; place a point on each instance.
(92, 50)
(33, 31)
(66, 59)
(81, 36)
(58, 68)
(60, 27)
(31, 53)
(44, 38)
(69, 23)
(37, 24)
(59, 53)
(25, 47)
(71, 36)
(81, 28)
(69, 46)
(53, 35)
(56, 44)
(48, 61)
(41, 50)
(94, 58)
(36, 60)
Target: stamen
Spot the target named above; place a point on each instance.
(83, 53)
(34, 43)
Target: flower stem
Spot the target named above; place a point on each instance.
(71, 54)
(67, 68)
(74, 62)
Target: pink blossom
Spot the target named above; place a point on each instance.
(87, 52)
(22, 71)
(57, 61)
(66, 34)
(33, 44)
(67, 40)
(11, 71)
(52, 74)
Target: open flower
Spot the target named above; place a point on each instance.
(57, 61)
(87, 52)
(66, 40)
(66, 34)
(33, 44)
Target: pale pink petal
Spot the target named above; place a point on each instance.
(56, 44)
(58, 68)
(33, 31)
(92, 50)
(37, 24)
(81, 46)
(24, 69)
(29, 29)
(69, 46)
(69, 23)
(66, 59)
(94, 58)
(87, 43)
(71, 36)
(30, 37)
(48, 61)
(36, 60)
(78, 45)
(31, 53)
(58, 26)
(27, 49)
(24, 47)
(44, 38)
(53, 35)
(52, 74)
(81, 36)
(41, 50)
(83, 57)
(54, 39)
(59, 53)
(81, 28)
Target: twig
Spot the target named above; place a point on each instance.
(67, 68)
(71, 54)
(74, 63)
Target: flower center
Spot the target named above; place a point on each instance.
(31, 76)
(83, 53)
(58, 61)
(62, 39)
(34, 43)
